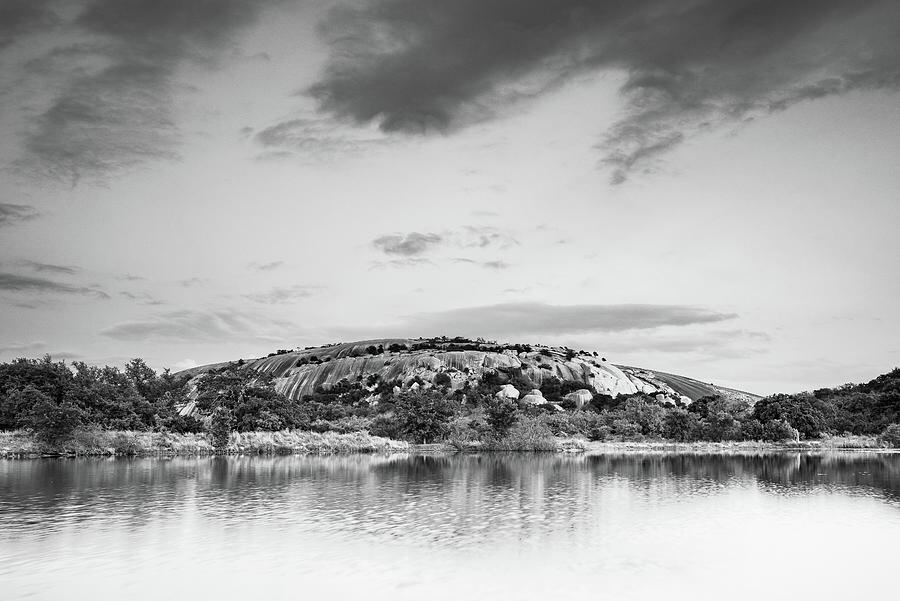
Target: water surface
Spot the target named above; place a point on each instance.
(778, 526)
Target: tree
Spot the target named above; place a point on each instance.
(422, 416)
(681, 425)
(801, 411)
(891, 436)
(502, 415)
(243, 399)
(53, 422)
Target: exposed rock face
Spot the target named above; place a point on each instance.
(299, 373)
(534, 398)
(507, 391)
(580, 397)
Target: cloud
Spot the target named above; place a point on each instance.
(469, 236)
(408, 245)
(200, 326)
(316, 137)
(189, 282)
(283, 294)
(19, 17)
(486, 264)
(115, 109)
(266, 266)
(49, 267)
(22, 347)
(495, 264)
(11, 282)
(719, 344)
(405, 262)
(424, 66)
(13, 213)
(142, 298)
(510, 320)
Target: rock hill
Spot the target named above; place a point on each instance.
(419, 360)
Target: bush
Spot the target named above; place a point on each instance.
(501, 415)
(220, 426)
(779, 430)
(54, 422)
(681, 425)
(422, 416)
(801, 411)
(126, 443)
(890, 437)
(443, 380)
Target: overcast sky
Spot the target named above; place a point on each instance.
(705, 187)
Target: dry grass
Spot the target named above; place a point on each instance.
(98, 442)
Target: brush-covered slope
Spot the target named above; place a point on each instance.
(299, 373)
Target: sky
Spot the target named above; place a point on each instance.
(707, 187)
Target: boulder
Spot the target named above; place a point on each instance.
(534, 398)
(507, 391)
(580, 397)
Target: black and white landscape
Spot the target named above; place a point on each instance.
(422, 299)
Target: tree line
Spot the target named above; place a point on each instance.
(52, 399)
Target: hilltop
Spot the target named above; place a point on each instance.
(465, 363)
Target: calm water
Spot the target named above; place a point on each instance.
(464, 527)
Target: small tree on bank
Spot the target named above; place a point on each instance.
(422, 416)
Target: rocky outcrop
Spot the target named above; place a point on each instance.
(534, 398)
(580, 397)
(405, 361)
(507, 391)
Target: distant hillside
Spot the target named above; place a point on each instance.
(300, 372)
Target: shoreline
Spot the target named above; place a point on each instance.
(22, 445)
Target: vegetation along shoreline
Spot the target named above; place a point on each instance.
(419, 395)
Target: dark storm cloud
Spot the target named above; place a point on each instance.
(116, 109)
(407, 245)
(13, 213)
(19, 17)
(11, 282)
(418, 66)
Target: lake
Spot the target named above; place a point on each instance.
(518, 526)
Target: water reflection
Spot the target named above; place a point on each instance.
(609, 515)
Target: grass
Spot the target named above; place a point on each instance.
(99, 442)
(529, 434)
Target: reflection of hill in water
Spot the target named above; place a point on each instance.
(460, 499)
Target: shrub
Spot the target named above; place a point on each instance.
(220, 426)
(681, 425)
(126, 443)
(802, 411)
(422, 416)
(385, 425)
(443, 380)
(753, 429)
(890, 437)
(779, 430)
(625, 428)
(53, 422)
(501, 415)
